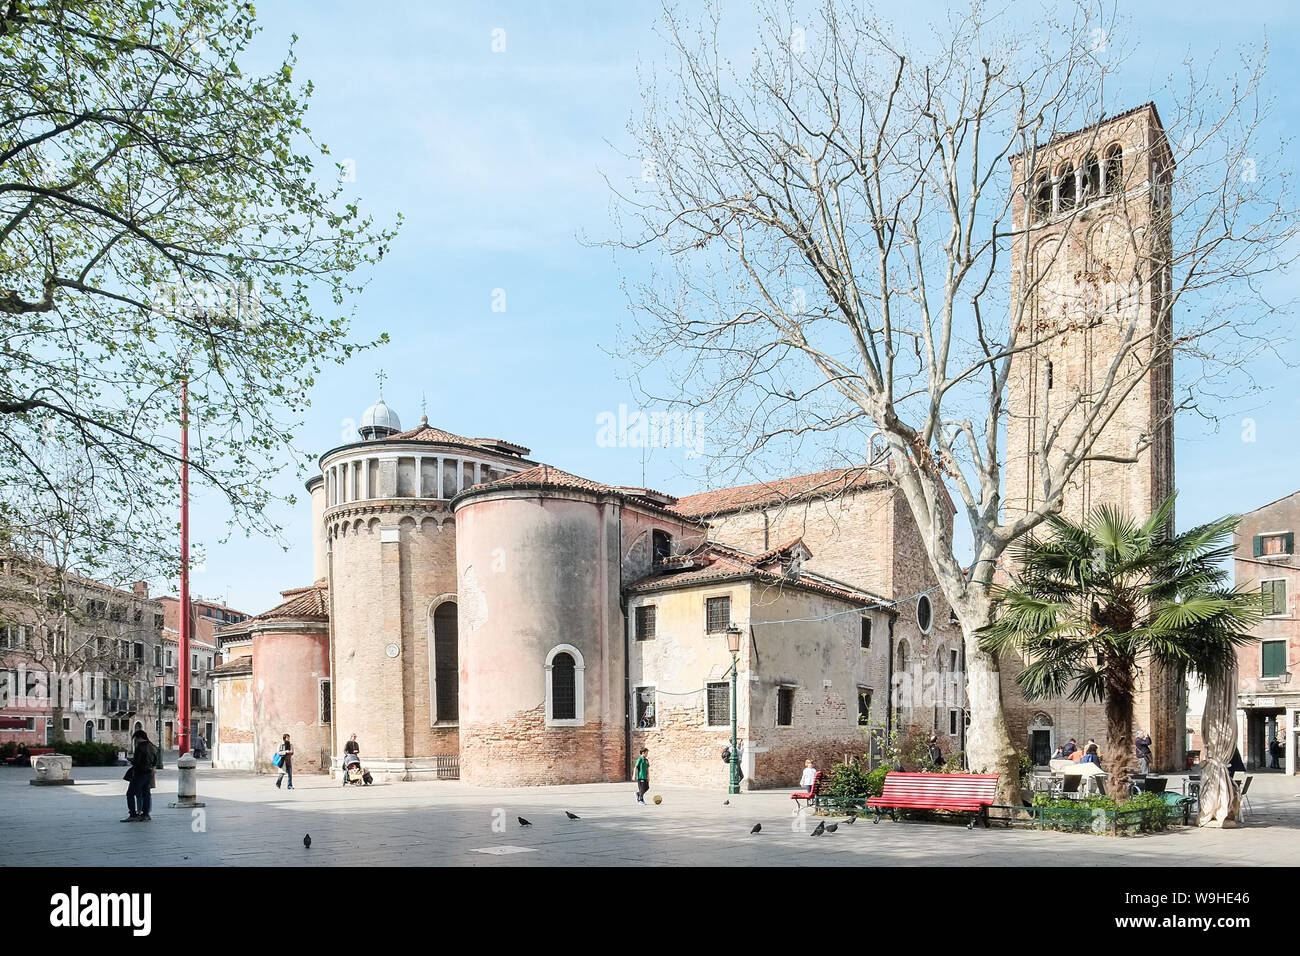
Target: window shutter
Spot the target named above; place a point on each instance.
(1289, 543)
(1258, 545)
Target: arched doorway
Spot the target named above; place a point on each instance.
(90, 731)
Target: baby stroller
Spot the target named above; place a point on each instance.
(354, 773)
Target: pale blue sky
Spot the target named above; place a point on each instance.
(495, 160)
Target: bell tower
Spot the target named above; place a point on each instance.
(1090, 278)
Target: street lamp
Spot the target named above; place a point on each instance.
(733, 645)
(157, 694)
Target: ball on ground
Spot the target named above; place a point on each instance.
(658, 799)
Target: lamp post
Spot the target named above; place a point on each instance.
(183, 665)
(733, 645)
(157, 694)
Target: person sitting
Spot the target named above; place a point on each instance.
(1070, 749)
(1076, 755)
(1058, 753)
(1091, 756)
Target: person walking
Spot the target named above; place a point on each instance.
(1142, 750)
(1274, 752)
(809, 775)
(286, 762)
(139, 795)
(641, 774)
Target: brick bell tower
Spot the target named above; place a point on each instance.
(1092, 249)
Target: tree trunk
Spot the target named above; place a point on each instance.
(988, 743)
(1121, 760)
(1220, 803)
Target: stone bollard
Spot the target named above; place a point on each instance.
(186, 786)
(52, 770)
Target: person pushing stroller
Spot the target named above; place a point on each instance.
(353, 772)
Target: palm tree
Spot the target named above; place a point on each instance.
(1094, 600)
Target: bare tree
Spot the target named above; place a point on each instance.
(835, 219)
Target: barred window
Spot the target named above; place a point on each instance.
(563, 688)
(645, 708)
(784, 706)
(718, 614)
(324, 702)
(645, 622)
(446, 661)
(719, 704)
(866, 632)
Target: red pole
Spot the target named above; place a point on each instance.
(183, 665)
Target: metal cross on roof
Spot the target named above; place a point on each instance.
(381, 376)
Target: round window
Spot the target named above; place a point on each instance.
(924, 613)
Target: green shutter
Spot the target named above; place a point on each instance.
(1257, 545)
(1274, 662)
(1290, 542)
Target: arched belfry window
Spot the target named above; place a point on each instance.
(1091, 178)
(564, 686)
(1115, 169)
(663, 545)
(1042, 199)
(1065, 189)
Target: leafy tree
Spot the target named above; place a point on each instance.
(1095, 601)
(160, 218)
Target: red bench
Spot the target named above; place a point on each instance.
(809, 794)
(31, 752)
(962, 792)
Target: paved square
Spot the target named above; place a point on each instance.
(247, 822)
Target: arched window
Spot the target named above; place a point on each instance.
(1115, 169)
(446, 663)
(900, 659)
(1091, 178)
(1042, 198)
(1065, 189)
(564, 686)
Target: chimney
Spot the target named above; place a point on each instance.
(141, 589)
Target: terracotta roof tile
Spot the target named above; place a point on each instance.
(819, 484)
(719, 562)
(300, 604)
(548, 476)
(426, 432)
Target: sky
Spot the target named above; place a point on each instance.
(497, 161)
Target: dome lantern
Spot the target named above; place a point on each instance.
(378, 421)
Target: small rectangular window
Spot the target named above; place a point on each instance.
(719, 704)
(866, 632)
(1273, 658)
(645, 622)
(952, 661)
(1267, 545)
(324, 702)
(784, 706)
(952, 722)
(1273, 596)
(718, 614)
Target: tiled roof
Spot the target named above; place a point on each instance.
(300, 604)
(819, 484)
(548, 476)
(426, 432)
(240, 665)
(718, 562)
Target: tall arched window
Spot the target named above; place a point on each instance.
(1042, 198)
(1115, 169)
(1091, 178)
(1065, 189)
(564, 686)
(446, 663)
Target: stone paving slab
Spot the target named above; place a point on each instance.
(247, 822)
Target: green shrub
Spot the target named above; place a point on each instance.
(90, 754)
(848, 780)
(8, 749)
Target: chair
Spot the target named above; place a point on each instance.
(1070, 785)
(1242, 789)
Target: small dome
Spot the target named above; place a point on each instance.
(379, 421)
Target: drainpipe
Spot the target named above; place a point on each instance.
(889, 685)
(627, 659)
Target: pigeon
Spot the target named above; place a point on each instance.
(832, 828)
(757, 827)
(726, 803)
(572, 816)
(850, 821)
(821, 828)
(525, 823)
(306, 841)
